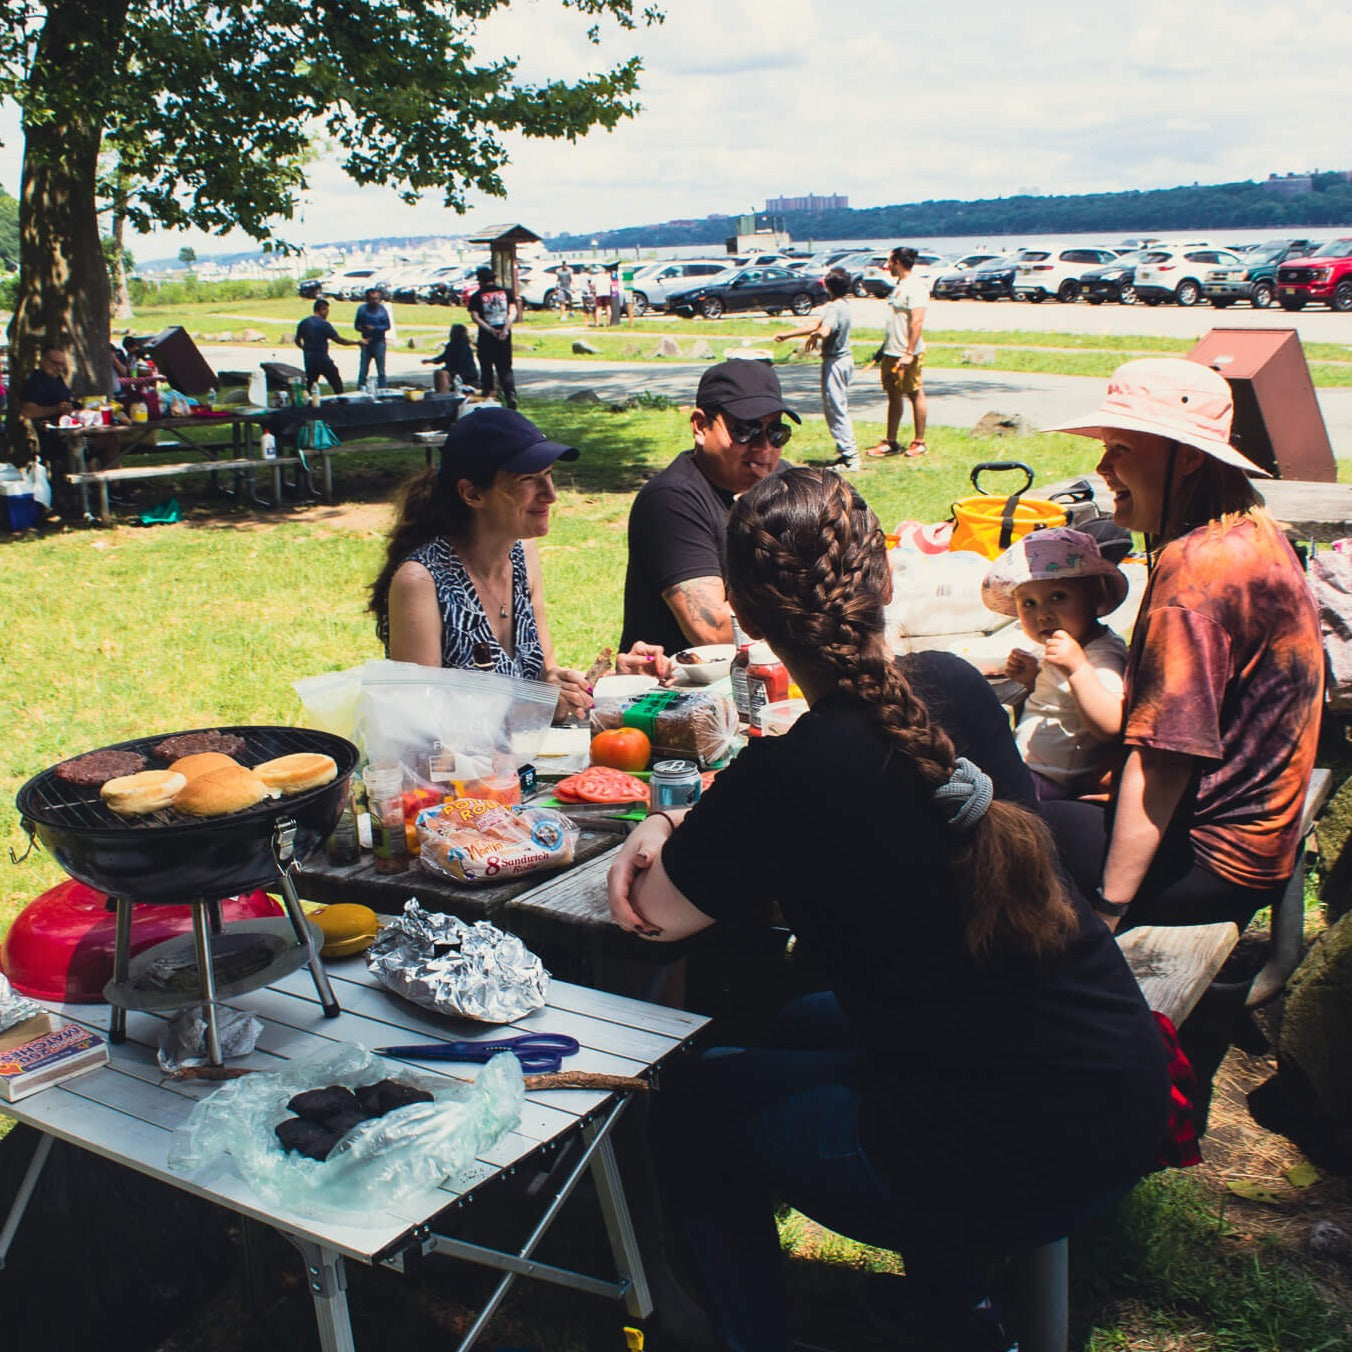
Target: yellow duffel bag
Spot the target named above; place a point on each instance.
(989, 523)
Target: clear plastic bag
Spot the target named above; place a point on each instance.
(445, 725)
(380, 1163)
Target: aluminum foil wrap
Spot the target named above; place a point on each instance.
(468, 971)
(14, 1008)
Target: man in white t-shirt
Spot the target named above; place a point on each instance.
(904, 355)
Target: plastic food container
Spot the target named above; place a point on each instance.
(777, 718)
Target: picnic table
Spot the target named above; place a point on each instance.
(127, 1111)
(356, 418)
(225, 443)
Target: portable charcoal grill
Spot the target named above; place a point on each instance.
(169, 858)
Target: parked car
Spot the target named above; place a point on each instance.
(1255, 279)
(956, 284)
(774, 259)
(768, 289)
(1114, 281)
(1056, 270)
(876, 280)
(994, 280)
(350, 284)
(1325, 275)
(1175, 273)
(653, 284)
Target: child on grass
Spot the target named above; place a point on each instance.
(1057, 584)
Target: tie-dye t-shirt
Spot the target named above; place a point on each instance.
(1227, 666)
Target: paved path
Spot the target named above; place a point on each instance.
(958, 396)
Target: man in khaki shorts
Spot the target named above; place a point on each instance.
(904, 355)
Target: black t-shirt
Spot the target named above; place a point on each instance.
(1011, 1085)
(40, 388)
(677, 526)
(493, 306)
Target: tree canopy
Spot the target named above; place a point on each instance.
(214, 109)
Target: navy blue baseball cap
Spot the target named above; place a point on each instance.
(492, 439)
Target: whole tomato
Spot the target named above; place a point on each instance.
(621, 749)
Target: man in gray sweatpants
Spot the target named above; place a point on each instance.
(832, 332)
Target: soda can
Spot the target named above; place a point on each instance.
(674, 783)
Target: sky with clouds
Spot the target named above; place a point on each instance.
(749, 99)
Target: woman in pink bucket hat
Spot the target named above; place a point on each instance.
(1224, 680)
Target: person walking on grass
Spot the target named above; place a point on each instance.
(832, 334)
(904, 355)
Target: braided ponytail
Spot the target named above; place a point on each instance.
(807, 566)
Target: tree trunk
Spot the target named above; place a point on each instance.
(63, 280)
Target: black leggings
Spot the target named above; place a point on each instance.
(495, 360)
(1176, 889)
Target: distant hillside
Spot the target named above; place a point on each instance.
(1247, 206)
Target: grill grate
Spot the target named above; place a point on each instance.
(49, 800)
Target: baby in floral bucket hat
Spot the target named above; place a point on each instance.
(1057, 584)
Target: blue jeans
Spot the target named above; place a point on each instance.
(372, 351)
(739, 1129)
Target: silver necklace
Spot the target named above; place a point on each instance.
(481, 586)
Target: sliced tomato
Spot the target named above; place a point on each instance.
(599, 784)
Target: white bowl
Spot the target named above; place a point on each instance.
(715, 661)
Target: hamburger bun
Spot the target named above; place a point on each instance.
(145, 791)
(202, 763)
(297, 772)
(232, 788)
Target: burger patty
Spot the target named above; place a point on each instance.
(94, 770)
(193, 743)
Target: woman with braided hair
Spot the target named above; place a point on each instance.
(982, 1070)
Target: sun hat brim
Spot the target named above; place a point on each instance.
(1105, 420)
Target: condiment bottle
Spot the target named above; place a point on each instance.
(138, 410)
(344, 846)
(385, 795)
(316, 400)
(767, 680)
(737, 672)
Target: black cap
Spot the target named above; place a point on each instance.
(492, 439)
(743, 387)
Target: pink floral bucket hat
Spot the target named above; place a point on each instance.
(1057, 554)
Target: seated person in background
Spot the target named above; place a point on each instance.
(314, 333)
(456, 358)
(977, 1070)
(673, 583)
(1056, 584)
(45, 398)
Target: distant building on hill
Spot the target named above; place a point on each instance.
(809, 203)
(1289, 185)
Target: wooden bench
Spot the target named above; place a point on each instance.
(356, 447)
(101, 478)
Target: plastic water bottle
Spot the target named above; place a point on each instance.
(372, 385)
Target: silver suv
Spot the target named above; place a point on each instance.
(655, 282)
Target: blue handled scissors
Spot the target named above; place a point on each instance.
(539, 1053)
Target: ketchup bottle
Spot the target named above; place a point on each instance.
(767, 680)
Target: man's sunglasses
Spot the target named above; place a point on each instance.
(744, 433)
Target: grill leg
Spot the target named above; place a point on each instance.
(208, 976)
(298, 923)
(117, 1022)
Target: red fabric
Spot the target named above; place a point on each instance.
(1178, 1150)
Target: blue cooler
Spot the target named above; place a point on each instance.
(18, 511)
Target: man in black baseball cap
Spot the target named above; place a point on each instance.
(673, 587)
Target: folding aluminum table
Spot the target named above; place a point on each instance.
(127, 1111)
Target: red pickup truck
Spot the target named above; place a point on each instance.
(1325, 275)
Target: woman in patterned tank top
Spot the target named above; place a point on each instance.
(461, 585)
